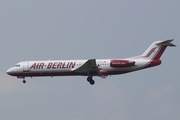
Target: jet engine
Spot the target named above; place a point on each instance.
(121, 63)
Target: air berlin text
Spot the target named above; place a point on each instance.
(53, 65)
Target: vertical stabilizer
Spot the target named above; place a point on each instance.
(156, 49)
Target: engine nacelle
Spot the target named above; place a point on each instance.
(121, 63)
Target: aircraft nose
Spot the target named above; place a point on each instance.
(10, 71)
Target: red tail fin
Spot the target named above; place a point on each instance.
(155, 51)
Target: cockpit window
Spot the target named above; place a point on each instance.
(17, 65)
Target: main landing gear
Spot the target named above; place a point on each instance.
(90, 80)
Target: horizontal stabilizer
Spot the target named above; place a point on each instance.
(167, 42)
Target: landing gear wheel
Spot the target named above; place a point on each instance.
(90, 80)
(24, 81)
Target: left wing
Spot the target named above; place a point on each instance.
(89, 67)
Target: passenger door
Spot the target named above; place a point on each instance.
(26, 66)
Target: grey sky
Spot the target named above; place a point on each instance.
(42, 30)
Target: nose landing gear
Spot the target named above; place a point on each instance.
(24, 81)
(22, 77)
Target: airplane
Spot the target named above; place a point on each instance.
(91, 67)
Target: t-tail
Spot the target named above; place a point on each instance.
(155, 51)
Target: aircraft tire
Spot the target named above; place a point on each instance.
(24, 81)
(92, 82)
(89, 79)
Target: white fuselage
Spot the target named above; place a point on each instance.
(91, 67)
(66, 67)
